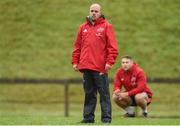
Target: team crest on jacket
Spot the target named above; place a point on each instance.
(99, 31)
(133, 80)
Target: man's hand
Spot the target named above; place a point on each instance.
(121, 95)
(75, 67)
(124, 95)
(117, 92)
(107, 67)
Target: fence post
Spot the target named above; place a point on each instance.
(66, 99)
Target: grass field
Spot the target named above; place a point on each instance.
(43, 104)
(48, 119)
(36, 41)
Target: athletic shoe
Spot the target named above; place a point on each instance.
(129, 115)
(145, 114)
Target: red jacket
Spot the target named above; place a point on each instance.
(133, 80)
(95, 46)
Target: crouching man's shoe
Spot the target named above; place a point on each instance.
(129, 115)
(145, 114)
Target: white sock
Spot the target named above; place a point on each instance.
(145, 110)
(129, 110)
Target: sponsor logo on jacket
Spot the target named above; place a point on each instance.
(99, 31)
(133, 80)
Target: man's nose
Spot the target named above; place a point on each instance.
(93, 12)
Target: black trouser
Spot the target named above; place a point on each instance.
(94, 82)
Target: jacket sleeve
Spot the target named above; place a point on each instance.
(112, 47)
(77, 48)
(117, 82)
(141, 84)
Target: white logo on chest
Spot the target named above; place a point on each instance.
(85, 30)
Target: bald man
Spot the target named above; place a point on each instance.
(95, 51)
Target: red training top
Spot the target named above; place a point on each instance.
(95, 46)
(133, 80)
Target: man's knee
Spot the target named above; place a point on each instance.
(115, 98)
(140, 98)
(119, 101)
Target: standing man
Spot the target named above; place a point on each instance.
(95, 51)
(137, 92)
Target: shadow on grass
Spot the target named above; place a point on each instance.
(155, 117)
(166, 117)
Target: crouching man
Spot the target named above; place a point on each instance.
(136, 90)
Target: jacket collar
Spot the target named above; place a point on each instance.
(100, 20)
(131, 69)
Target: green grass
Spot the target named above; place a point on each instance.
(37, 40)
(44, 104)
(37, 36)
(51, 114)
(58, 120)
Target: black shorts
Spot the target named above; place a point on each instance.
(134, 101)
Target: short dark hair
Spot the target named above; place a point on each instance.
(127, 57)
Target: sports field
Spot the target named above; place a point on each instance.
(36, 41)
(44, 104)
